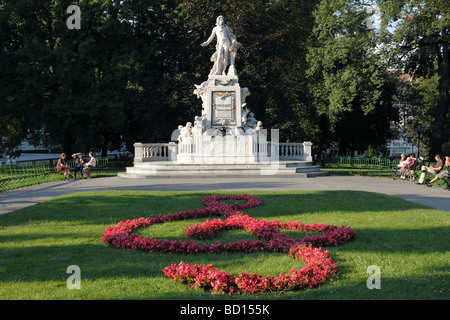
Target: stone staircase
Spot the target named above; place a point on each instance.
(174, 170)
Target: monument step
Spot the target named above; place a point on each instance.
(174, 165)
(221, 169)
(174, 170)
(218, 176)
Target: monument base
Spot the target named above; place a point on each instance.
(176, 170)
(228, 149)
(223, 157)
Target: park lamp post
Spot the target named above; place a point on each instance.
(419, 130)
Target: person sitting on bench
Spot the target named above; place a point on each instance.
(443, 174)
(79, 164)
(432, 170)
(63, 167)
(88, 166)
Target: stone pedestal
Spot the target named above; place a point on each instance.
(223, 102)
(227, 149)
(225, 133)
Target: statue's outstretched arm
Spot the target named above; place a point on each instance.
(211, 37)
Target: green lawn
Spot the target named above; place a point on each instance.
(408, 242)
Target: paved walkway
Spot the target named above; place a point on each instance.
(434, 197)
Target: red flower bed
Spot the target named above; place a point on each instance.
(318, 266)
(268, 231)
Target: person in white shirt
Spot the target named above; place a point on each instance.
(88, 166)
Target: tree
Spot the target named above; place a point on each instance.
(68, 86)
(422, 41)
(21, 75)
(349, 79)
(49, 72)
(128, 73)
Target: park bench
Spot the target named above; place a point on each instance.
(101, 164)
(441, 182)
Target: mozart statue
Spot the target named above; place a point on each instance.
(226, 48)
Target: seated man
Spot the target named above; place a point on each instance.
(442, 174)
(432, 170)
(79, 164)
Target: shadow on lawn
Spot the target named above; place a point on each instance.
(106, 207)
(27, 262)
(109, 207)
(104, 261)
(108, 265)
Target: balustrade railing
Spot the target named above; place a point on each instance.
(168, 151)
(290, 151)
(153, 151)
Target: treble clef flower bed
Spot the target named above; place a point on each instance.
(318, 265)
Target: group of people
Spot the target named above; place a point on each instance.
(81, 167)
(436, 169)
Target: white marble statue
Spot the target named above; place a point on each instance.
(226, 48)
(244, 94)
(201, 91)
(185, 133)
(245, 110)
(180, 128)
(251, 121)
(198, 128)
(253, 130)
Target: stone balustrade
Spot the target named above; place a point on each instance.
(145, 152)
(295, 151)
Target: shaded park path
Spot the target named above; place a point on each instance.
(435, 197)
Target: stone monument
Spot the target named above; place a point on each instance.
(226, 131)
(225, 139)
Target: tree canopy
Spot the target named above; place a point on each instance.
(314, 68)
(420, 45)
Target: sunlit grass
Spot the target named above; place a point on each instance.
(408, 242)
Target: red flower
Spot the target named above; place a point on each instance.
(318, 268)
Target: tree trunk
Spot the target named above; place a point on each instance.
(437, 134)
(68, 144)
(105, 144)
